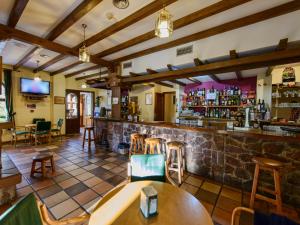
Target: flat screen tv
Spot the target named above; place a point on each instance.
(34, 87)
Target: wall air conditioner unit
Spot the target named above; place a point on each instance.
(184, 50)
(127, 65)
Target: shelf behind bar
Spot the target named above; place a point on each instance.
(214, 106)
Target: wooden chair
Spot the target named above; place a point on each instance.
(29, 211)
(152, 144)
(43, 130)
(237, 212)
(90, 130)
(17, 131)
(136, 143)
(175, 149)
(42, 159)
(58, 128)
(272, 166)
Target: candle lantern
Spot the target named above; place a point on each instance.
(148, 204)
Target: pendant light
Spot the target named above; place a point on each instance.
(121, 4)
(164, 24)
(36, 76)
(84, 54)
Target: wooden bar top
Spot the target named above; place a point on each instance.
(255, 133)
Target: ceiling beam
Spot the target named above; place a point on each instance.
(81, 71)
(233, 55)
(282, 45)
(92, 75)
(242, 63)
(50, 62)
(26, 57)
(150, 71)
(44, 43)
(194, 80)
(159, 82)
(64, 69)
(67, 22)
(16, 12)
(211, 10)
(235, 24)
(214, 77)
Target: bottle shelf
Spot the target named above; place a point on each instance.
(215, 106)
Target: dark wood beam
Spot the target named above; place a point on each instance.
(50, 62)
(92, 75)
(64, 69)
(25, 58)
(235, 24)
(282, 45)
(44, 43)
(150, 71)
(16, 12)
(184, 21)
(81, 71)
(194, 80)
(242, 63)
(214, 77)
(160, 83)
(233, 55)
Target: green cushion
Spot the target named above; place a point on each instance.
(24, 212)
(22, 132)
(147, 167)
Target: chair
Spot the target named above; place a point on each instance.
(29, 211)
(15, 132)
(58, 128)
(178, 148)
(90, 130)
(35, 120)
(148, 167)
(136, 143)
(43, 129)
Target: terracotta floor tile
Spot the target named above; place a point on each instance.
(117, 170)
(42, 184)
(207, 196)
(92, 181)
(64, 208)
(77, 172)
(84, 176)
(115, 180)
(56, 199)
(232, 194)
(109, 166)
(189, 188)
(89, 207)
(227, 204)
(75, 213)
(51, 190)
(102, 188)
(194, 181)
(62, 177)
(70, 168)
(90, 167)
(209, 207)
(24, 191)
(111, 159)
(85, 197)
(23, 183)
(68, 183)
(221, 217)
(76, 189)
(214, 188)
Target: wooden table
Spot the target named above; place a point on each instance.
(175, 207)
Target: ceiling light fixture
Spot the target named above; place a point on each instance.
(36, 76)
(84, 55)
(121, 4)
(164, 24)
(83, 86)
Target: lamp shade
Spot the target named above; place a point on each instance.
(164, 24)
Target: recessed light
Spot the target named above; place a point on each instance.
(44, 56)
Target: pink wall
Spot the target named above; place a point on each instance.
(246, 84)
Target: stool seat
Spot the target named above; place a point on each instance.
(153, 143)
(175, 144)
(136, 143)
(268, 162)
(42, 156)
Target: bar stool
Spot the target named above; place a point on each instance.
(152, 143)
(178, 148)
(136, 143)
(42, 158)
(90, 130)
(103, 136)
(274, 167)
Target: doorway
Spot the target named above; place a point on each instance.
(86, 108)
(165, 107)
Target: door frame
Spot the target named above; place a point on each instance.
(93, 102)
(71, 123)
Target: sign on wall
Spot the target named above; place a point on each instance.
(288, 76)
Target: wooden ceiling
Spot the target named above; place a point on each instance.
(50, 31)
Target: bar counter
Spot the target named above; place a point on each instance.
(222, 155)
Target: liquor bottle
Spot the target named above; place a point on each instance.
(258, 105)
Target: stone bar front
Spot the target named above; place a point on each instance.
(224, 156)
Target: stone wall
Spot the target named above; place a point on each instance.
(224, 158)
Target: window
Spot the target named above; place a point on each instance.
(3, 111)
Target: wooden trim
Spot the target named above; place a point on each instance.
(64, 69)
(235, 24)
(25, 58)
(1, 71)
(234, 55)
(16, 12)
(50, 62)
(81, 71)
(184, 21)
(164, 84)
(150, 71)
(198, 62)
(92, 75)
(194, 80)
(244, 63)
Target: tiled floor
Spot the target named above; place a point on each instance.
(82, 177)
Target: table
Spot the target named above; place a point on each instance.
(175, 206)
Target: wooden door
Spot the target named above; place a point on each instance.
(72, 111)
(82, 104)
(159, 107)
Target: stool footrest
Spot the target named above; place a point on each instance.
(267, 199)
(268, 190)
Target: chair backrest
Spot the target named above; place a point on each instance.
(43, 126)
(35, 120)
(60, 122)
(24, 212)
(148, 167)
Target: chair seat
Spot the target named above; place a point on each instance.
(268, 162)
(21, 132)
(41, 132)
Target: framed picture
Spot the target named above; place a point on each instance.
(59, 100)
(149, 98)
(115, 101)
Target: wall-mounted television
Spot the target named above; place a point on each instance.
(34, 87)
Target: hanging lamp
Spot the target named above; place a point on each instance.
(164, 24)
(84, 54)
(36, 76)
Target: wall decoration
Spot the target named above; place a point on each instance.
(149, 98)
(115, 101)
(288, 76)
(59, 100)
(31, 106)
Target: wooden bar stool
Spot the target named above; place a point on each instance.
(136, 143)
(42, 158)
(152, 143)
(274, 167)
(176, 147)
(90, 130)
